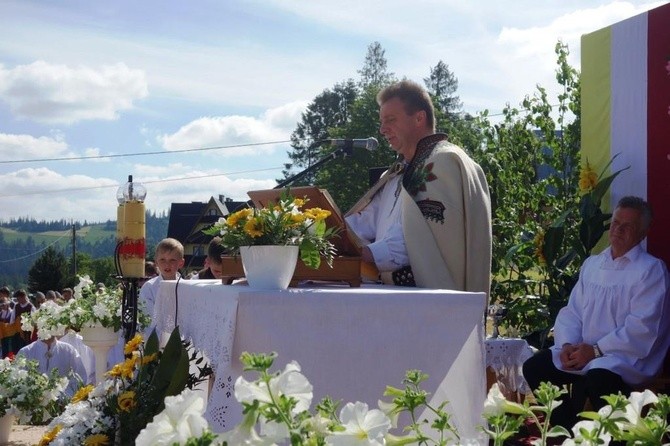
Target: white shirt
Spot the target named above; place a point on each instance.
(7, 314)
(60, 356)
(87, 355)
(620, 304)
(380, 225)
(148, 294)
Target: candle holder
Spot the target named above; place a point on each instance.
(130, 250)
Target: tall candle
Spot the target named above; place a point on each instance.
(133, 249)
(119, 223)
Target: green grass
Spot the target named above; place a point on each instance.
(91, 234)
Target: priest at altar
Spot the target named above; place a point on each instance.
(427, 221)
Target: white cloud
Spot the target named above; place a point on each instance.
(45, 194)
(274, 124)
(19, 147)
(95, 152)
(52, 93)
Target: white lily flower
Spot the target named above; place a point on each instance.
(637, 400)
(362, 426)
(290, 383)
(389, 411)
(243, 435)
(497, 404)
(273, 431)
(181, 419)
(590, 426)
(633, 415)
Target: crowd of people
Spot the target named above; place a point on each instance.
(68, 353)
(13, 305)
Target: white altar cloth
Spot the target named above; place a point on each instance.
(350, 342)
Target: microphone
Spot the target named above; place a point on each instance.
(367, 144)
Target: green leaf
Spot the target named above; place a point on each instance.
(172, 370)
(309, 254)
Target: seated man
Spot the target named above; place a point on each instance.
(213, 263)
(427, 221)
(612, 334)
(55, 354)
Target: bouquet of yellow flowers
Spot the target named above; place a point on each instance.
(286, 222)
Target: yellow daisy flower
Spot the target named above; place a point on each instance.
(317, 214)
(133, 344)
(124, 369)
(588, 179)
(234, 218)
(127, 401)
(82, 393)
(48, 437)
(253, 228)
(297, 218)
(97, 440)
(149, 358)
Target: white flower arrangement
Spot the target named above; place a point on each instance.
(182, 419)
(276, 408)
(119, 408)
(640, 419)
(90, 307)
(31, 396)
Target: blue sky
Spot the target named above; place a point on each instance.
(86, 78)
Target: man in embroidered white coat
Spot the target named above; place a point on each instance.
(427, 222)
(613, 334)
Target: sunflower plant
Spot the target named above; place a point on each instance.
(286, 222)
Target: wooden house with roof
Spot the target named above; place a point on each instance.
(187, 220)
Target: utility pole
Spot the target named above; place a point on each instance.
(74, 250)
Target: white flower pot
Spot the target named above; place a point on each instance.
(269, 267)
(100, 339)
(6, 423)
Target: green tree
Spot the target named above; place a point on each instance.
(329, 110)
(83, 267)
(346, 111)
(347, 178)
(103, 270)
(375, 68)
(442, 85)
(49, 272)
(531, 161)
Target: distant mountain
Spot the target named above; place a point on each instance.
(22, 241)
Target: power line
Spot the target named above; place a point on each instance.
(67, 234)
(122, 155)
(78, 189)
(463, 116)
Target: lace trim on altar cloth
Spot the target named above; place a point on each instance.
(197, 322)
(506, 358)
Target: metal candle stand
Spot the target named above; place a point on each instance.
(129, 304)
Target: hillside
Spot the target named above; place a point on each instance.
(22, 241)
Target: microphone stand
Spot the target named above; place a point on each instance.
(345, 150)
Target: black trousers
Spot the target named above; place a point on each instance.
(593, 385)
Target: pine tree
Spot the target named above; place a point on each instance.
(49, 272)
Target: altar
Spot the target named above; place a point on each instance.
(350, 342)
